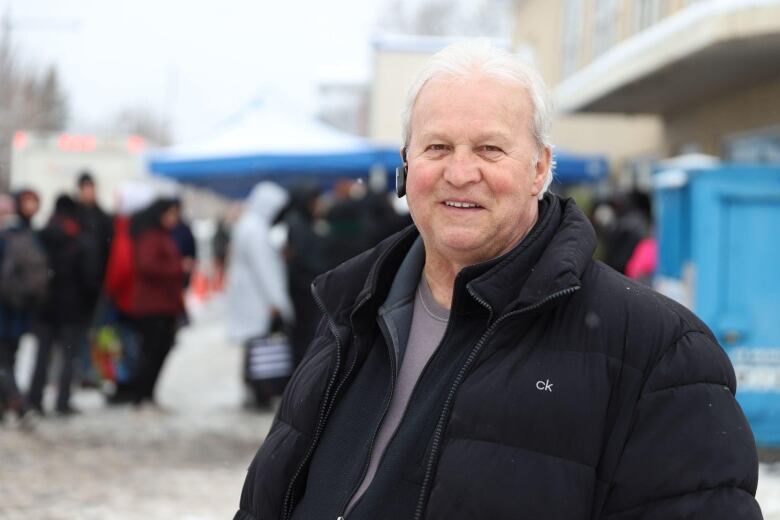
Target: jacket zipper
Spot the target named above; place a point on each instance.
(288, 504)
(439, 431)
(386, 407)
(403, 416)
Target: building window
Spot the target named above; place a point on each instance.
(605, 27)
(572, 36)
(755, 147)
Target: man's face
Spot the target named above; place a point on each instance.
(473, 179)
(87, 193)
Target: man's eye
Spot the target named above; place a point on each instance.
(437, 147)
(489, 148)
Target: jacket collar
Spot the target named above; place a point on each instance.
(551, 258)
(364, 278)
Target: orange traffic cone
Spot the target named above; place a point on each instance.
(199, 285)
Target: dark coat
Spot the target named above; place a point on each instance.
(98, 226)
(157, 288)
(13, 322)
(561, 390)
(75, 275)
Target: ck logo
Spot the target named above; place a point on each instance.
(544, 386)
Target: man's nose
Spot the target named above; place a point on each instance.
(462, 168)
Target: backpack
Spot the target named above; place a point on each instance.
(24, 271)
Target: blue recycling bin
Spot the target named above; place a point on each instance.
(718, 231)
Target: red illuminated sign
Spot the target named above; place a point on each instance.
(76, 143)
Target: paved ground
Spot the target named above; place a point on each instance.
(188, 464)
(121, 464)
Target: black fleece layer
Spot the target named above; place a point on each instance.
(565, 391)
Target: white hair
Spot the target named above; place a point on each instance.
(478, 56)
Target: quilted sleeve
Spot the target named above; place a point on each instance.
(690, 453)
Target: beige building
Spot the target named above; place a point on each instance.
(630, 141)
(710, 69)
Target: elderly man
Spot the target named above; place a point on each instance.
(481, 365)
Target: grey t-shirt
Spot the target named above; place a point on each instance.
(429, 322)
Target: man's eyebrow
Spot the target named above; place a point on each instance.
(490, 135)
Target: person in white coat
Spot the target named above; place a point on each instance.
(257, 283)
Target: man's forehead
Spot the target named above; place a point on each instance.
(481, 106)
(442, 93)
(486, 81)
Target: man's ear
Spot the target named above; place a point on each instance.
(542, 169)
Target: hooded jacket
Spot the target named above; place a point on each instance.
(256, 272)
(561, 390)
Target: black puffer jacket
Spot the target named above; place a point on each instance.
(576, 394)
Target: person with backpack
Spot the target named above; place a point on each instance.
(23, 287)
(64, 318)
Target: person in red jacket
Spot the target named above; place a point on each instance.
(157, 297)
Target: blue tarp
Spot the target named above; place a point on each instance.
(235, 176)
(579, 168)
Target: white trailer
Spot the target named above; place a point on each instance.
(51, 164)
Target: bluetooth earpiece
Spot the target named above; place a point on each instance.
(400, 175)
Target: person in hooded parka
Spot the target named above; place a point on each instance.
(257, 288)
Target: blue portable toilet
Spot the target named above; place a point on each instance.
(718, 231)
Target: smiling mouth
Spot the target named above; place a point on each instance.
(461, 205)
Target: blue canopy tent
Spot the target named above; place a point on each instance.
(266, 142)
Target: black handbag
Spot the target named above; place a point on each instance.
(268, 361)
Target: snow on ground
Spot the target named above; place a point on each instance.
(187, 462)
(768, 493)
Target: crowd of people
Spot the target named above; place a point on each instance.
(65, 282)
(103, 295)
(624, 227)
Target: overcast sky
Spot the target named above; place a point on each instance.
(193, 61)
